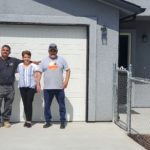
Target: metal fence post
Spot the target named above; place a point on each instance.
(129, 88)
(115, 101)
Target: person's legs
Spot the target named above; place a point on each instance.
(60, 96)
(30, 97)
(48, 97)
(1, 100)
(23, 92)
(8, 99)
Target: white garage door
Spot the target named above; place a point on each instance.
(72, 44)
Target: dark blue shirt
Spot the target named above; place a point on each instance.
(7, 70)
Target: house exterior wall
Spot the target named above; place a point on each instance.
(100, 104)
(140, 53)
(140, 60)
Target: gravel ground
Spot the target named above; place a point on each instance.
(142, 139)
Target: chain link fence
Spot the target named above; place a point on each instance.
(120, 94)
(131, 97)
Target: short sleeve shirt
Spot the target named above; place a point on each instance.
(53, 72)
(26, 75)
(7, 70)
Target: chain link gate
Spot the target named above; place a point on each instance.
(124, 113)
(122, 97)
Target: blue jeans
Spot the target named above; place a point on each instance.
(48, 97)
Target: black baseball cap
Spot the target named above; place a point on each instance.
(53, 46)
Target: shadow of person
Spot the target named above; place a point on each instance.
(69, 110)
(15, 116)
(38, 108)
(18, 109)
(55, 110)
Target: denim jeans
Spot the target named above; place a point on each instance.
(48, 97)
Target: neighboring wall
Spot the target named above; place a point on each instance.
(140, 53)
(141, 50)
(140, 60)
(106, 54)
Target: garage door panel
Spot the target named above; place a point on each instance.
(78, 111)
(72, 45)
(75, 94)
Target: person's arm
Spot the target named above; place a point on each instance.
(67, 77)
(35, 62)
(20, 61)
(37, 76)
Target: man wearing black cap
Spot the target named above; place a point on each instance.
(53, 67)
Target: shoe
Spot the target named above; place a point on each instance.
(27, 124)
(47, 125)
(7, 124)
(62, 125)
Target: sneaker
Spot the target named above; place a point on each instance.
(47, 125)
(7, 124)
(62, 125)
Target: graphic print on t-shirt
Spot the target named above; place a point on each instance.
(52, 66)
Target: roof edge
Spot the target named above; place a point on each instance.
(124, 6)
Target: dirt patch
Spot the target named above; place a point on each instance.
(142, 139)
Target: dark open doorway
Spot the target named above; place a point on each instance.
(124, 50)
(124, 61)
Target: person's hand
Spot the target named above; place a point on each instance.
(38, 88)
(65, 84)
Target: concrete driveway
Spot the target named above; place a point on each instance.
(76, 136)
